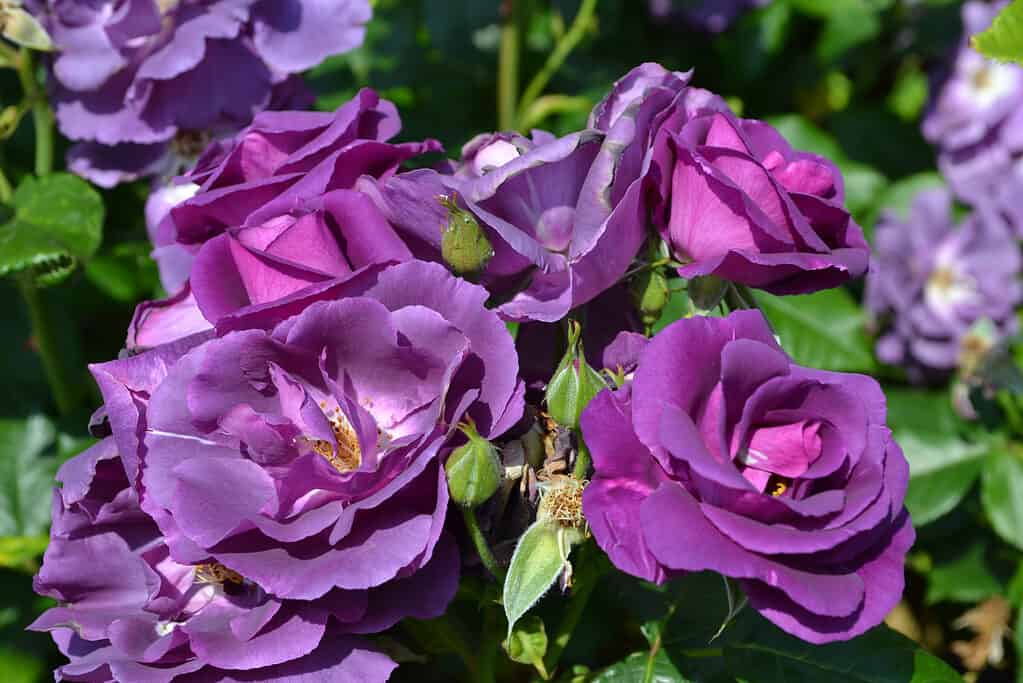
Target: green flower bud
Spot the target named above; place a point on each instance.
(574, 383)
(474, 470)
(650, 292)
(464, 245)
(706, 292)
(21, 28)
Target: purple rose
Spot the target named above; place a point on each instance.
(974, 118)
(275, 211)
(724, 455)
(734, 200)
(327, 417)
(129, 77)
(931, 280)
(564, 215)
(129, 610)
(703, 15)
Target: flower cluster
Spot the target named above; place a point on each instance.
(975, 119)
(940, 294)
(138, 84)
(932, 281)
(281, 426)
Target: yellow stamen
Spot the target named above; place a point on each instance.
(216, 573)
(347, 455)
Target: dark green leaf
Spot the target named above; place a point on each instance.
(822, 330)
(942, 466)
(26, 476)
(1003, 40)
(638, 668)
(1001, 493)
(58, 222)
(966, 578)
(881, 655)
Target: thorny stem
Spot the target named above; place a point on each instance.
(480, 541)
(564, 47)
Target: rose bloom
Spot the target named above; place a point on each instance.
(974, 117)
(564, 215)
(722, 454)
(932, 280)
(736, 201)
(134, 81)
(326, 418)
(128, 610)
(273, 211)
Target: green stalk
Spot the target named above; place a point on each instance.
(5, 188)
(591, 569)
(558, 55)
(42, 117)
(508, 64)
(582, 460)
(61, 386)
(482, 547)
(491, 647)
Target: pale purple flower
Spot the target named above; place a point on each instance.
(722, 454)
(129, 610)
(931, 280)
(326, 415)
(704, 15)
(975, 117)
(274, 211)
(131, 77)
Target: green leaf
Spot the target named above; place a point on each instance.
(1001, 493)
(20, 552)
(966, 578)
(768, 655)
(1003, 40)
(534, 568)
(527, 644)
(942, 466)
(807, 137)
(822, 330)
(58, 221)
(637, 667)
(26, 476)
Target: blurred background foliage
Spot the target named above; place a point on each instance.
(845, 78)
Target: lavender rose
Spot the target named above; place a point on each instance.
(564, 215)
(723, 455)
(274, 212)
(131, 78)
(326, 417)
(931, 280)
(704, 15)
(736, 201)
(128, 610)
(974, 118)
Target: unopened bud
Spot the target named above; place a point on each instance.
(464, 245)
(650, 292)
(574, 384)
(21, 28)
(473, 470)
(706, 292)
